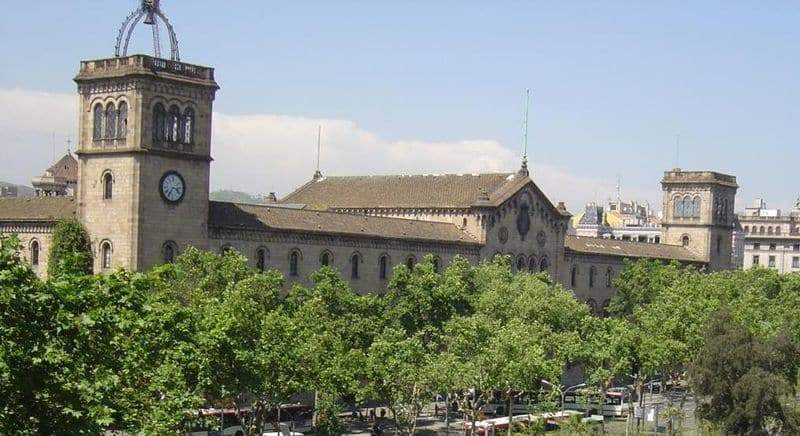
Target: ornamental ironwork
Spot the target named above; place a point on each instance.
(150, 11)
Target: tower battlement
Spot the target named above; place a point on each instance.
(679, 176)
(145, 65)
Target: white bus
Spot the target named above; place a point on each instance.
(616, 402)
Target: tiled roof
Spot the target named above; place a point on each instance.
(415, 191)
(613, 247)
(66, 167)
(258, 217)
(37, 208)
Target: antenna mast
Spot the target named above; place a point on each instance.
(318, 173)
(524, 169)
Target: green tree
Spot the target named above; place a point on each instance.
(70, 250)
(746, 382)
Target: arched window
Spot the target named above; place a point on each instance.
(174, 126)
(105, 254)
(261, 258)
(685, 240)
(747, 229)
(687, 207)
(609, 277)
(108, 186)
(383, 267)
(169, 251)
(225, 249)
(769, 230)
(188, 126)
(325, 258)
(777, 230)
(544, 265)
(464, 223)
(573, 278)
(34, 252)
(532, 264)
(98, 121)
(696, 203)
(761, 230)
(159, 123)
(521, 264)
(410, 262)
(294, 260)
(122, 120)
(677, 207)
(724, 213)
(719, 245)
(436, 264)
(355, 259)
(592, 272)
(111, 121)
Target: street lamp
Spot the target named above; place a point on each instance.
(563, 393)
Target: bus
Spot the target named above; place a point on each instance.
(616, 403)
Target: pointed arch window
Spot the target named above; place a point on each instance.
(294, 260)
(685, 240)
(687, 207)
(34, 252)
(122, 120)
(188, 126)
(111, 121)
(592, 273)
(677, 207)
(383, 267)
(159, 123)
(696, 204)
(609, 277)
(98, 121)
(105, 254)
(261, 259)
(355, 259)
(573, 280)
(108, 186)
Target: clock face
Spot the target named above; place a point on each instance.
(172, 187)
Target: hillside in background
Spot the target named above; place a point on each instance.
(22, 190)
(235, 197)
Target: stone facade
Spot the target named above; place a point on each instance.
(771, 238)
(144, 119)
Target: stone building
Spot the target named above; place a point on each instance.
(619, 220)
(144, 159)
(61, 179)
(771, 237)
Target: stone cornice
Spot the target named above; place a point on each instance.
(27, 226)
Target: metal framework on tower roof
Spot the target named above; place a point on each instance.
(150, 10)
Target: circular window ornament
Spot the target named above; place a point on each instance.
(502, 234)
(541, 238)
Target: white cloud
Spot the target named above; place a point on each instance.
(264, 153)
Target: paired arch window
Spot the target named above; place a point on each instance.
(686, 207)
(325, 259)
(521, 263)
(383, 267)
(294, 261)
(544, 265)
(261, 258)
(34, 252)
(108, 185)
(110, 122)
(173, 126)
(532, 264)
(355, 259)
(170, 251)
(410, 262)
(105, 254)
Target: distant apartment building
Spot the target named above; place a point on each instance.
(772, 237)
(624, 221)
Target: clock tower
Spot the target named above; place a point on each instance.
(144, 154)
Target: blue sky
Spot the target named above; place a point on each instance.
(613, 83)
